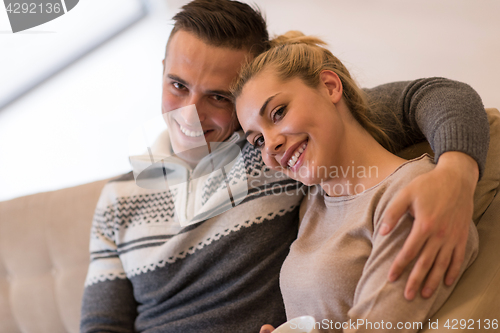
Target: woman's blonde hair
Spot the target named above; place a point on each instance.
(294, 55)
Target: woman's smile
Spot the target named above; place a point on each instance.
(294, 156)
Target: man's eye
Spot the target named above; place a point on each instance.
(278, 114)
(258, 142)
(220, 98)
(178, 86)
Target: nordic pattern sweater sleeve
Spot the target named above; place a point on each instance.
(110, 307)
(449, 114)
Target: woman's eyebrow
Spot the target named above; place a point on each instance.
(264, 106)
(247, 134)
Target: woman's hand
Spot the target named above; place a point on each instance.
(266, 329)
(441, 201)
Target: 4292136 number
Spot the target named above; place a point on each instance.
(33, 8)
(471, 324)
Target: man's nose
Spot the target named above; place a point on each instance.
(193, 113)
(189, 114)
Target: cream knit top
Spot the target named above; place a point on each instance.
(337, 268)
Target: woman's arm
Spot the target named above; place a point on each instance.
(451, 116)
(377, 299)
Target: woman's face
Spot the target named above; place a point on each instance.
(297, 128)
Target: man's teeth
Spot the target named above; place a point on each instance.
(295, 157)
(192, 134)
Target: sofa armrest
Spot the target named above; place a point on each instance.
(44, 241)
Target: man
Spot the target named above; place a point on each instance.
(221, 274)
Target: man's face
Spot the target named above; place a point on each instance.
(196, 81)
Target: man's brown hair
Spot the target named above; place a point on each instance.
(224, 23)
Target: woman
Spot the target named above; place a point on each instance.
(299, 105)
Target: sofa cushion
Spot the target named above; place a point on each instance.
(44, 258)
(489, 184)
(476, 298)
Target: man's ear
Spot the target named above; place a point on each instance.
(331, 81)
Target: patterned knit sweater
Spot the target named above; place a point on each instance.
(174, 278)
(150, 274)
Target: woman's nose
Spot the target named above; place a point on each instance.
(275, 144)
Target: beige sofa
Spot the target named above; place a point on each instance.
(44, 255)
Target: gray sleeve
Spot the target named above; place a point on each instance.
(108, 307)
(449, 114)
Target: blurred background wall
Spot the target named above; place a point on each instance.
(73, 128)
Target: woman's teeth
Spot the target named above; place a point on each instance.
(295, 157)
(190, 133)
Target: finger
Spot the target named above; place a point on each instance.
(396, 209)
(266, 329)
(437, 272)
(408, 252)
(421, 268)
(457, 260)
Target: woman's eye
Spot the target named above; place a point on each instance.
(259, 142)
(278, 114)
